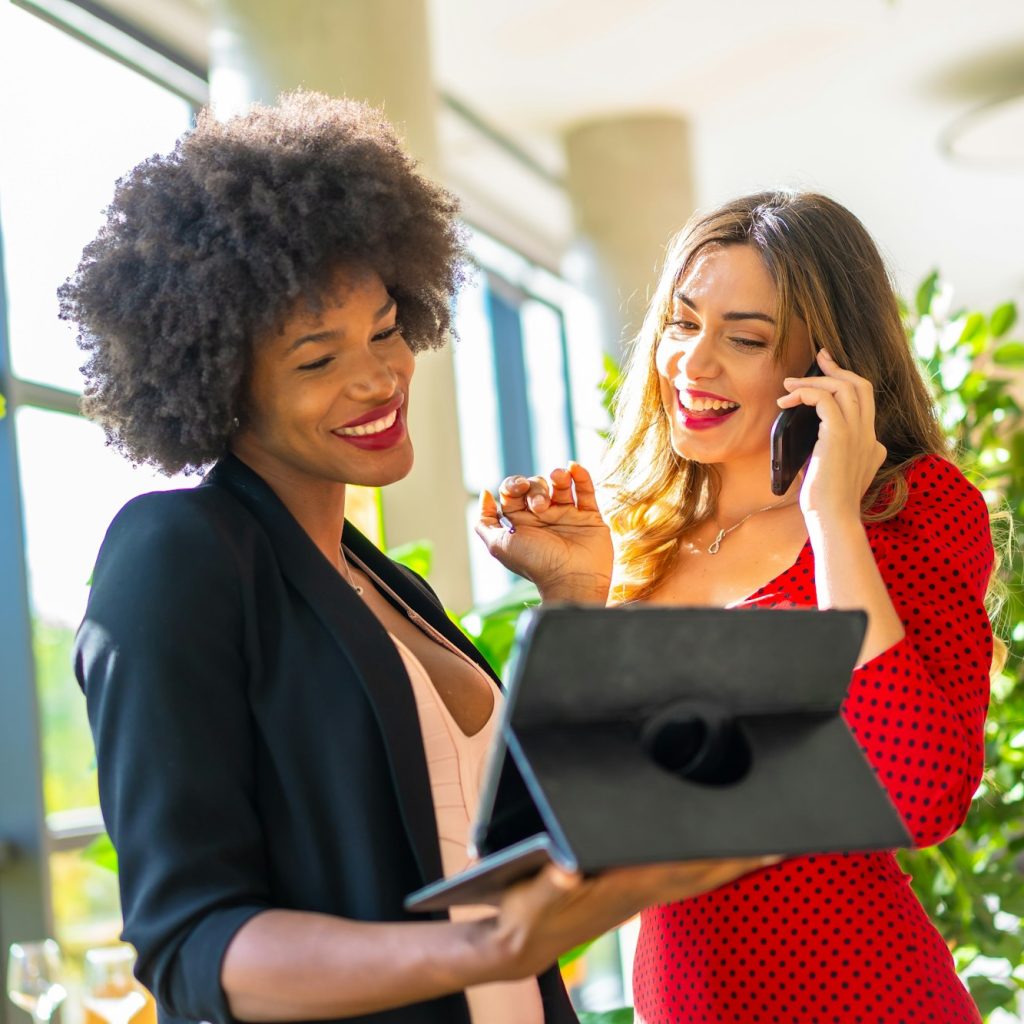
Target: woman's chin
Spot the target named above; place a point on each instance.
(705, 454)
(387, 471)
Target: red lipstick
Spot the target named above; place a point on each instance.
(703, 419)
(382, 439)
(375, 414)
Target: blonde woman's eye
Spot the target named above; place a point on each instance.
(682, 325)
(750, 342)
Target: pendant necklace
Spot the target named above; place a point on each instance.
(722, 534)
(348, 573)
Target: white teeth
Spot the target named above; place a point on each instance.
(705, 404)
(376, 427)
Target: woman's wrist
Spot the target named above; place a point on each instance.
(494, 952)
(484, 960)
(829, 527)
(576, 588)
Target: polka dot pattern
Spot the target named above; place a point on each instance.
(840, 938)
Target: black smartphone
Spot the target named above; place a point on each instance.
(794, 434)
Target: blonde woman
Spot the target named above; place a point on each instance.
(752, 294)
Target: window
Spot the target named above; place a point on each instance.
(66, 138)
(527, 369)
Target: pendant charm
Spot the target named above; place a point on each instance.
(358, 590)
(716, 543)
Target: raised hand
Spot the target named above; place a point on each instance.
(848, 454)
(560, 541)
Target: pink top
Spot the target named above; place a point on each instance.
(455, 764)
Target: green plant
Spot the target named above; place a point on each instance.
(492, 626)
(971, 885)
(620, 1016)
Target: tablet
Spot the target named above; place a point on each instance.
(640, 735)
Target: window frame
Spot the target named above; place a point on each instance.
(28, 836)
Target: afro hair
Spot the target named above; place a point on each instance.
(205, 250)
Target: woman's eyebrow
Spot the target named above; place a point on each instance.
(317, 336)
(733, 314)
(337, 332)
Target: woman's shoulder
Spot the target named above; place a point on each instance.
(944, 519)
(938, 493)
(176, 526)
(937, 479)
(181, 508)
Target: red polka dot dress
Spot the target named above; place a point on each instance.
(841, 939)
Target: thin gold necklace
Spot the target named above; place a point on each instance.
(722, 534)
(348, 573)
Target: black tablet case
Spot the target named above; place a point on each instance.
(588, 794)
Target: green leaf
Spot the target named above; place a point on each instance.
(926, 292)
(101, 852)
(975, 333)
(1010, 353)
(575, 953)
(621, 1016)
(1003, 318)
(610, 384)
(990, 995)
(1013, 901)
(520, 597)
(417, 555)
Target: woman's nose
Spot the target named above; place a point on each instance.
(373, 378)
(698, 358)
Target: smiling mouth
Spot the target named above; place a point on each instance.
(374, 427)
(692, 405)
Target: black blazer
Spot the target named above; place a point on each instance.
(257, 739)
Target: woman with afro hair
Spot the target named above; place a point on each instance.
(289, 730)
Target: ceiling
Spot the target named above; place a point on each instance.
(867, 100)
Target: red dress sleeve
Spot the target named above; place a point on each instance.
(918, 709)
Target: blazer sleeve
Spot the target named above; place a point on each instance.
(160, 656)
(918, 709)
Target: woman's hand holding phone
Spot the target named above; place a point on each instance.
(846, 457)
(847, 454)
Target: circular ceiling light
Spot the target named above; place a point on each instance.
(991, 135)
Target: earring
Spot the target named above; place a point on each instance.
(235, 423)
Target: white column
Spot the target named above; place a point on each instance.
(378, 51)
(631, 187)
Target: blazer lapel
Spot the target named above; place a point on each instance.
(361, 638)
(417, 594)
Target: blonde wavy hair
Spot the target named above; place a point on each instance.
(828, 272)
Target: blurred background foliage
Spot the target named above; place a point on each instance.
(972, 885)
